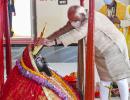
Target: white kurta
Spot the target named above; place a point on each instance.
(111, 54)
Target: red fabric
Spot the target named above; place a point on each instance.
(26, 58)
(17, 87)
(1, 43)
(71, 80)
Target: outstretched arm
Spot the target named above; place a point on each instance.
(49, 41)
(61, 31)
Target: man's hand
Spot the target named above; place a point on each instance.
(44, 41)
(115, 20)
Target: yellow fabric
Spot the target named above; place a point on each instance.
(128, 41)
(128, 33)
(120, 11)
(128, 8)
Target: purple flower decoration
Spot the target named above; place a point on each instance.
(41, 81)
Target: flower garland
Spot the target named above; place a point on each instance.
(70, 90)
(41, 81)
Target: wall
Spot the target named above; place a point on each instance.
(22, 20)
(51, 13)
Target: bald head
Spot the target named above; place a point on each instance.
(76, 12)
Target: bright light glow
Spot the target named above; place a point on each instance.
(22, 20)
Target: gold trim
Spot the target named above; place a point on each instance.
(67, 88)
(33, 72)
(54, 75)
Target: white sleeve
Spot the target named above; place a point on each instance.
(72, 36)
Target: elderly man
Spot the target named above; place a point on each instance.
(111, 54)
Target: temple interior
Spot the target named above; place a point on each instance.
(27, 24)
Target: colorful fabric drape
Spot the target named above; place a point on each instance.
(17, 86)
(25, 83)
